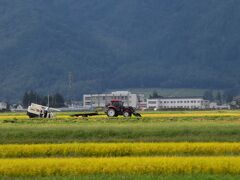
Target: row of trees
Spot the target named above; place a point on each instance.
(225, 96)
(56, 100)
(155, 95)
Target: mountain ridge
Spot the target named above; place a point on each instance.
(117, 44)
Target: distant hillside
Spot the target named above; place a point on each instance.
(117, 44)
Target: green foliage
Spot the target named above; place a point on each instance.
(219, 98)
(55, 100)
(229, 94)
(208, 95)
(155, 95)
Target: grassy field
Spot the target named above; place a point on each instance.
(191, 138)
(120, 131)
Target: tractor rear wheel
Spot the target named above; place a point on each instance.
(111, 112)
(126, 114)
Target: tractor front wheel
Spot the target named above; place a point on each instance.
(126, 114)
(111, 112)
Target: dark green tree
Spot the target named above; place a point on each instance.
(208, 95)
(155, 95)
(25, 100)
(229, 94)
(219, 98)
(30, 97)
(58, 100)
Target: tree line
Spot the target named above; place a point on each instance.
(56, 100)
(226, 96)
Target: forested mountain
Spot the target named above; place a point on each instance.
(117, 44)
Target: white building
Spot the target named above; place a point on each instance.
(16, 107)
(143, 105)
(100, 100)
(214, 105)
(3, 106)
(177, 103)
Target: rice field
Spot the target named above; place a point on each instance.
(120, 165)
(119, 149)
(165, 145)
(144, 114)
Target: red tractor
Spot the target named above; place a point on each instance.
(116, 108)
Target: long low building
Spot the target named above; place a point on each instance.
(100, 100)
(178, 103)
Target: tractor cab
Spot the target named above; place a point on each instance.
(116, 103)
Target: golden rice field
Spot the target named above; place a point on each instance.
(139, 158)
(145, 115)
(119, 149)
(122, 165)
(131, 157)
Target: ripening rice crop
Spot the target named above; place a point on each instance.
(157, 115)
(124, 165)
(193, 115)
(119, 149)
(13, 117)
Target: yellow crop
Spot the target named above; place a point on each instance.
(119, 149)
(192, 115)
(12, 117)
(143, 115)
(131, 165)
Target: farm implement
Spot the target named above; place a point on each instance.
(39, 111)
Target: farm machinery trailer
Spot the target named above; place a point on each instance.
(114, 109)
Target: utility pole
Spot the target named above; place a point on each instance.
(48, 104)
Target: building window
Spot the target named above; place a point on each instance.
(151, 102)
